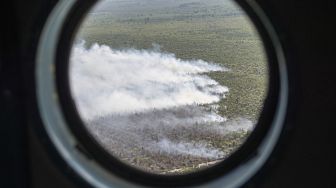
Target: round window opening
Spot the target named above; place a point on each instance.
(169, 87)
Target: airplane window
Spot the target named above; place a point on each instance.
(169, 87)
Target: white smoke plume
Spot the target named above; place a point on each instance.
(195, 149)
(106, 81)
(150, 100)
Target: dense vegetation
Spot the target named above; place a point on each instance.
(221, 34)
(214, 31)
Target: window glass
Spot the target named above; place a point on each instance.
(169, 86)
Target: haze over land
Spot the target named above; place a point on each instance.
(167, 85)
(129, 81)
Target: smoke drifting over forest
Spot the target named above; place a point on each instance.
(109, 81)
(150, 100)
